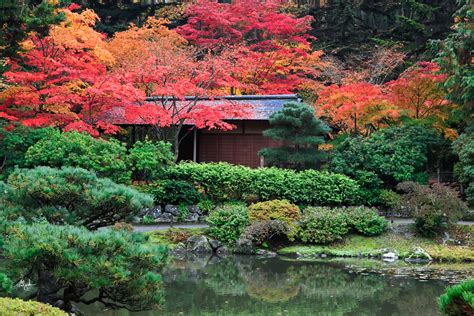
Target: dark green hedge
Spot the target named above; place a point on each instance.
(224, 182)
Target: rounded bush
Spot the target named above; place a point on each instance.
(458, 299)
(321, 225)
(274, 210)
(227, 222)
(15, 306)
(434, 208)
(73, 149)
(366, 221)
(147, 159)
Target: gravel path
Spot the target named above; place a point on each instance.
(147, 228)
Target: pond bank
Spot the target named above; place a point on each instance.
(398, 240)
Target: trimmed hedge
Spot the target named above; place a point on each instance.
(15, 306)
(223, 182)
(458, 299)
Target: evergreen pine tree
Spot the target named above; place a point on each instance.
(300, 133)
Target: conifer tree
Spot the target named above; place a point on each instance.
(300, 133)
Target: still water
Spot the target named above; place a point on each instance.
(276, 286)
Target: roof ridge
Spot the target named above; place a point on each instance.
(231, 97)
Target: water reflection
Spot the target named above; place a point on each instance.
(252, 286)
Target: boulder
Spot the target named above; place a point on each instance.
(222, 251)
(194, 209)
(153, 212)
(165, 218)
(389, 256)
(265, 253)
(172, 209)
(199, 244)
(215, 244)
(180, 250)
(418, 254)
(244, 246)
(191, 217)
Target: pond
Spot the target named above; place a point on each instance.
(279, 286)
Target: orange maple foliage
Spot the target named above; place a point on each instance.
(63, 81)
(358, 107)
(419, 95)
(77, 32)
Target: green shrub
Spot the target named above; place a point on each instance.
(6, 284)
(73, 149)
(390, 200)
(434, 208)
(226, 223)
(206, 206)
(173, 192)
(223, 182)
(464, 169)
(366, 221)
(392, 155)
(271, 183)
(458, 299)
(369, 187)
(148, 220)
(15, 143)
(147, 159)
(69, 195)
(322, 225)
(15, 306)
(114, 265)
(281, 210)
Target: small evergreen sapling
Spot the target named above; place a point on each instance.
(300, 132)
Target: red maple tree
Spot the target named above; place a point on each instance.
(178, 76)
(270, 50)
(61, 82)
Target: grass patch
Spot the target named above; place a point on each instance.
(361, 246)
(173, 236)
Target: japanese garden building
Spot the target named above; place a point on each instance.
(237, 146)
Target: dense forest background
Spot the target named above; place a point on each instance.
(347, 29)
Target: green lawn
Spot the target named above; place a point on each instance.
(172, 236)
(356, 245)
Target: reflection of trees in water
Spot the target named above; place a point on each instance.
(303, 287)
(270, 287)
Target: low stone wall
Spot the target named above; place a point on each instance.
(175, 213)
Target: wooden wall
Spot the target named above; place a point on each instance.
(240, 146)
